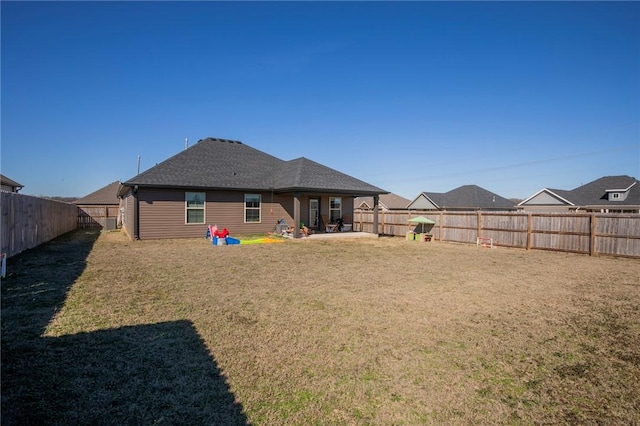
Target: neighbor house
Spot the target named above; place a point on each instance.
(386, 202)
(229, 184)
(464, 198)
(101, 208)
(609, 194)
(9, 185)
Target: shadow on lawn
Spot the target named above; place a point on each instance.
(146, 374)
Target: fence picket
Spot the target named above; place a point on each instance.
(594, 234)
(30, 221)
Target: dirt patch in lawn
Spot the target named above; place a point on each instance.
(366, 331)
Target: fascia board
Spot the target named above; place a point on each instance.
(548, 191)
(425, 196)
(621, 190)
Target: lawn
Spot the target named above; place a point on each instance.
(97, 329)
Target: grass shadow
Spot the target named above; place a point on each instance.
(38, 280)
(148, 374)
(145, 374)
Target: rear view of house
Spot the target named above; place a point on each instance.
(232, 185)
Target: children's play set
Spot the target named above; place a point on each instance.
(222, 238)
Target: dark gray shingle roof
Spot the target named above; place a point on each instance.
(103, 196)
(471, 197)
(231, 165)
(595, 193)
(305, 174)
(391, 201)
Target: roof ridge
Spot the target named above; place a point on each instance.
(209, 138)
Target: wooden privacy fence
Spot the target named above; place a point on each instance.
(98, 216)
(593, 234)
(30, 221)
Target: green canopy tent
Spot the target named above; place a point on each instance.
(422, 221)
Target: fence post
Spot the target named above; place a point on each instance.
(479, 224)
(529, 225)
(592, 235)
(586, 233)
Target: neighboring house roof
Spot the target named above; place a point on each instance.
(466, 197)
(5, 181)
(548, 196)
(231, 165)
(103, 196)
(598, 193)
(385, 202)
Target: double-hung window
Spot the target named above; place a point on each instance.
(194, 207)
(252, 208)
(335, 209)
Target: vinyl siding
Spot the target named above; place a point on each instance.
(546, 209)
(422, 203)
(545, 198)
(162, 213)
(347, 206)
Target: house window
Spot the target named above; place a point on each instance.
(335, 209)
(615, 195)
(252, 208)
(195, 207)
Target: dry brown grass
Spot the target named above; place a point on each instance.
(380, 331)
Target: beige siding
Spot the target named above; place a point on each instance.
(546, 209)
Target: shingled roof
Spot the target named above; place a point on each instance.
(231, 165)
(103, 196)
(596, 193)
(387, 202)
(469, 197)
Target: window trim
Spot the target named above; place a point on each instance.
(187, 208)
(331, 209)
(259, 208)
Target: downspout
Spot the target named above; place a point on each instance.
(136, 214)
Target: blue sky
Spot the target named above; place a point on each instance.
(407, 96)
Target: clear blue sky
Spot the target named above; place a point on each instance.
(410, 96)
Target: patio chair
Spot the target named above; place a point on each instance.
(329, 227)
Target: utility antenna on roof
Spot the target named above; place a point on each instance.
(186, 143)
(138, 164)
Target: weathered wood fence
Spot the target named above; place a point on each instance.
(593, 234)
(30, 221)
(98, 216)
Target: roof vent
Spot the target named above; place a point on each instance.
(221, 140)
